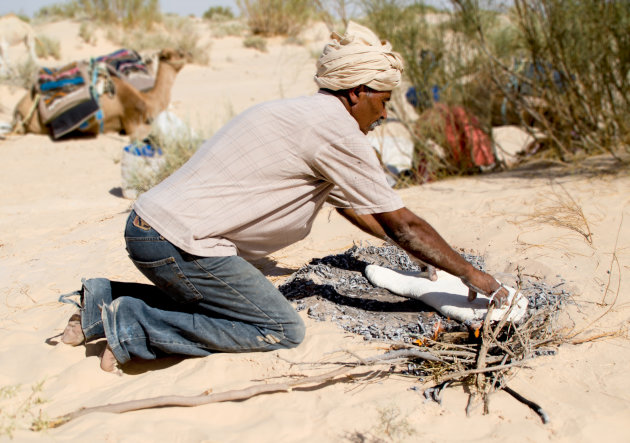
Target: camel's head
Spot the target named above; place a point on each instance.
(174, 57)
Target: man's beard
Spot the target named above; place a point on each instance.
(375, 124)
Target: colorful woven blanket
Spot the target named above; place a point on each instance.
(61, 89)
(129, 66)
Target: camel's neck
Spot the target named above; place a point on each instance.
(159, 96)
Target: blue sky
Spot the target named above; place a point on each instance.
(181, 7)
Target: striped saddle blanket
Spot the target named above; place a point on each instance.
(129, 66)
(66, 99)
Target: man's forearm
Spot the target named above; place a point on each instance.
(367, 223)
(418, 238)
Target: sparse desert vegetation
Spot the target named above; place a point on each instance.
(555, 71)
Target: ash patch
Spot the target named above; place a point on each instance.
(335, 289)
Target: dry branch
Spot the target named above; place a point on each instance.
(540, 411)
(240, 394)
(197, 400)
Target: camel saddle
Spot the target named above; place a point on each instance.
(127, 65)
(66, 99)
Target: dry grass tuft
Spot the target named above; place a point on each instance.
(47, 47)
(22, 75)
(177, 149)
(561, 210)
(86, 33)
(20, 409)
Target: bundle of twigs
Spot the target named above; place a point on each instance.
(483, 360)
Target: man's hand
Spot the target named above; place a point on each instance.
(483, 283)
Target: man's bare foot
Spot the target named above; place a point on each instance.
(73, 334)
(108, 361)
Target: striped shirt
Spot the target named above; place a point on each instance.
(258, 183)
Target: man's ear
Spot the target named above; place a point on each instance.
(353, 95)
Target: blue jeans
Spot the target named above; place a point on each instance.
(198, 306)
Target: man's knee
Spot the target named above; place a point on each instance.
(294, 332)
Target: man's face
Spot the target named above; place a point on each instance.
(369, 107)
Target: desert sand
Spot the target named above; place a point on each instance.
(63, 217)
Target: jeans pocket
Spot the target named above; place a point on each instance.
(168, 276)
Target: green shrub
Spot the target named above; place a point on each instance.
(218, 13)
(276, 17)
(58, 10)
(558, 68)
(129, 13)
(571, 76)
(422, 45)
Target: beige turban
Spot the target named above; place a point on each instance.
(358, 58)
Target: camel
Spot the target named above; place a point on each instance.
(14, 31)
(127, 109)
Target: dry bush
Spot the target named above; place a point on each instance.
(47, 47)
(22, 75)
(128, 13)
(571, 76)
(86, 33)
(276, 17)
(174, 32)
(218, 13)
(140, 40)
(255, 42)
(177, 149)
(560, 69)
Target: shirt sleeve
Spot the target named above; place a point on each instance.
(360, 182)
(337, 199)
